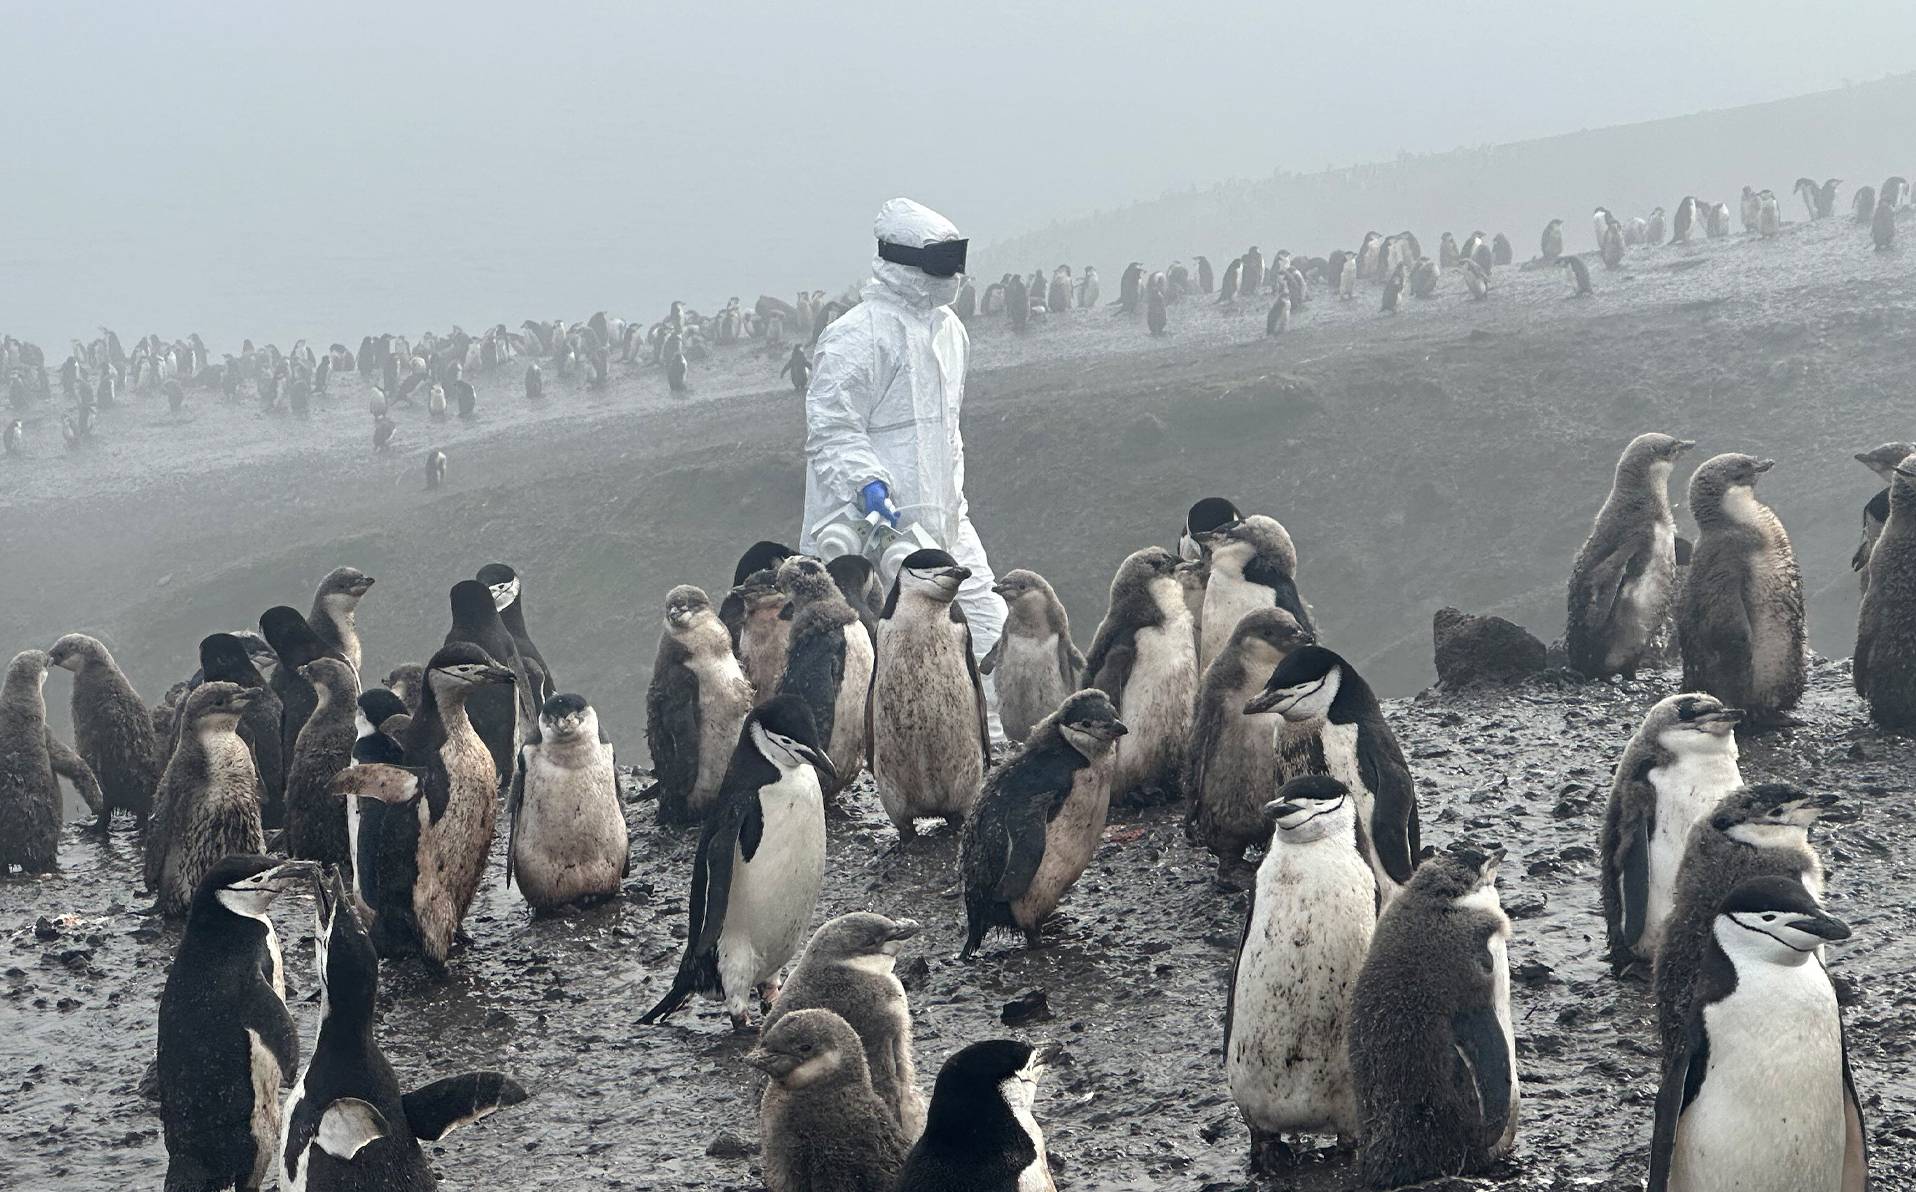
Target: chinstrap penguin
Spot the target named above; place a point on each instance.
(30, 756)
(1253, 565)
(694, 706)
(1033, 663)
(315, 817)
(112, 729)
(1624, 576)
(821, 1125)
(566, 841)
(1884, 670)
(1142, 657)
(208, 805)
(828, 664)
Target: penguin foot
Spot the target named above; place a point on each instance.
(1269, 1155)
(1235, 877)
(741, 1023)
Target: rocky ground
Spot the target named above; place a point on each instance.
(1452, 455)
(1133, 975)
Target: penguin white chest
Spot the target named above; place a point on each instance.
(1288, 1065)
(1649, 593)
(847, 746)
(1687, 790)
(264, 1122)
(773, 895)
(1157, 704)
(1770, 1112)
(725, 695)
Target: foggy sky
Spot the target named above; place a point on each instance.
(244, 170)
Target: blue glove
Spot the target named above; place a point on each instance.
(876, 498)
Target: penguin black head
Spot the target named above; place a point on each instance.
(566, 716)
(218, 705)
(852, 573)
(473, 604)
(377, 705)
(246, 886)
(460, 665)
(1776, 918)
(225, 658)
(1303, 686)
(994, 1074)
(349, 583)
(1205, 517)
(1302, 800)
(804, 576)
(932, 573)
(806, 1047)
(347, 965)
(1458, 872)
(784, 734)
(1692, 721)
(1089, 722)
(1769, 813)
(1017, 584)
(760, 556)
(503, 582)
(292, 639)
(860, 934)
(683, 605)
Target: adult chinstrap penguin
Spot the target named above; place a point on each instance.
(348, 1127)
(1232, 766)
(434, 823)
(1331, 723)
(760, 862)
(1758, 1093)
(567, 841)
(1033, 664)
(1624, 577)
(508, 596)
(226, 1041)
(980, 1133)
(694, 706)
(1142, 658)
(930, 740)
(500, 714)
(1039, 821)
(1306, 932)
(1680, 764)
(1433, 1052)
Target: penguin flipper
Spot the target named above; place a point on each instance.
(672, 732)
(437, 1109)
(1855, 1137)
(1393, 819)
(1485, 1078)
(515, 799)
(388, 784)
(977, 684)
(1682, 1077)
(69, 765)
(1237, 958)
(1605, 584)
(990, 660)
(1633, 890)
(711, 890)
(1070, 662)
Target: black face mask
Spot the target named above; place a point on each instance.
(942, 258)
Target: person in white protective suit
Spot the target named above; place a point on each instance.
(881, 413)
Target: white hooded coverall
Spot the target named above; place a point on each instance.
(888, 382)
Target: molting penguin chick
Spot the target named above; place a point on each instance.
(1881, 460)
(1433, 1055)
(857, 581)
(112, 729)
(847, 969)
(294, 644)
(1332, 724)
(1678, 767)
(1740, 616)
(315, 817)
(30, 756)
(437, 810)
(1231, 764)
(347, 1126)
(1884, 670)
(828, 664)
(208, 805)
(980, 1134)
(1758, 1093)
(1253, 566)
(1039, 821)
(762, 637)
(930, 742)
(694, 706)
(1306, 932)
(1034, 663)
(335, 608)
(1625, 573)
(1757, 831)
(226, 1040)
(1579, 276)
(1142, 658)
(761, 860)
(822, 1127)
(567, 838)
(243, 658)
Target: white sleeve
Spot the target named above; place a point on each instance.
(838, 406)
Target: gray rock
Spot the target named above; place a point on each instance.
(1473, 651)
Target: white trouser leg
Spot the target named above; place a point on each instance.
(984, 610)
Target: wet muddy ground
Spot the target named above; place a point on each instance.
(1133, 972)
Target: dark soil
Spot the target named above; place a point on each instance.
(1452, 455)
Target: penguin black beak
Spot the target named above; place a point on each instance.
(1864, 459)
(775, 1064)
(956, 574)
(817, 759)
(904, 929)
(1722, 716)
(1823, 927)
(1279, 809)
(1764, 465)
(1822, 801)
(1683, 445)
(290, 876)
(1043, 1055)
(1263, 701)
(498, 675)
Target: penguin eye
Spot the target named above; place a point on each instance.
(805, 1048)
(1769, 917)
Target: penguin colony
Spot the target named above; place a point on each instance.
(1206, 682)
